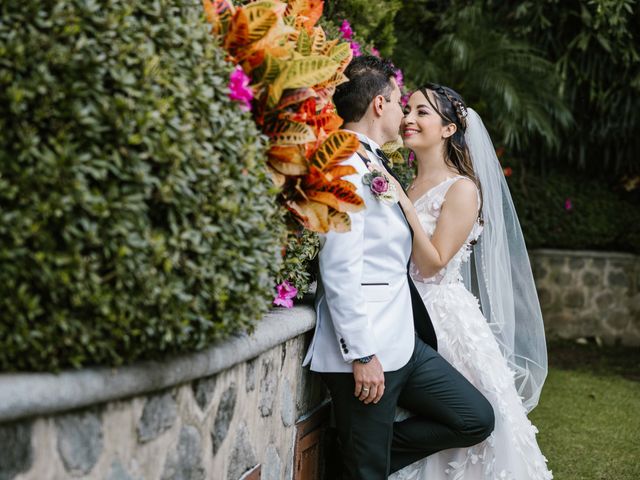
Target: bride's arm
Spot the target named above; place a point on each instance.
(458, 214)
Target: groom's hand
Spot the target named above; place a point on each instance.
(369, 379)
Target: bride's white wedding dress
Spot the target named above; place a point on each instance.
(465, 340)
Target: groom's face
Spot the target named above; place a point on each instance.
(391, 113)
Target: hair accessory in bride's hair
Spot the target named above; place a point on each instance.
(459, 107)
(461, 112)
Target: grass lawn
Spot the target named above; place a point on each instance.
(589, 413)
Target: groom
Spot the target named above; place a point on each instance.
(374, 344)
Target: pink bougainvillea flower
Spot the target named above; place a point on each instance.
(568, 205)
(286, 294)
(345, 29)
(405, 99)
(412, 158)
(239, 88)
(399, 78)
(508, 171)
(375, 52)
(355, 48)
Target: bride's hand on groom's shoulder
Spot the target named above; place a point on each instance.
(369, 378)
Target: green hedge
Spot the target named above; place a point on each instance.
(299, 266)
(601, 217)
(136, 215)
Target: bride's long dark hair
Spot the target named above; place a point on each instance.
(452, 109)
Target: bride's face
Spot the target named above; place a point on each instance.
(421, 126)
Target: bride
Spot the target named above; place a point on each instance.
(467, 238)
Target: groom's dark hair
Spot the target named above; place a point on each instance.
(368, 76)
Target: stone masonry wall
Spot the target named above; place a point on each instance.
(215, 428)
(589, 294)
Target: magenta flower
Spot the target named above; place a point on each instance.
(405, 99)
(345, 29)
(375, 52)
(399, 78)
(568, 205)
(379, 185)
(355, 48)
(412, 158)
(239, 88)
(286, 294)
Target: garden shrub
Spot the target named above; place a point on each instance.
(571, 211)
(137, 218)
(299, 266)
(374, 25)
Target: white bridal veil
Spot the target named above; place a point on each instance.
(499, 272)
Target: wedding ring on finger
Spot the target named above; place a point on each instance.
(365, 390)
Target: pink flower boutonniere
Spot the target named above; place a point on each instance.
(380, 186)
(286, 294)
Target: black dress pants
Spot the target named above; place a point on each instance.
(450, 413)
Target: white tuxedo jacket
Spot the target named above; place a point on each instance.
(363, 301)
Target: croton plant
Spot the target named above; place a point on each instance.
(293, 70)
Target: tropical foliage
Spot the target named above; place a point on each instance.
(556, 82)
(562, 210)
(294, 70)
(511, 84)
(594, 47)
(373, 26)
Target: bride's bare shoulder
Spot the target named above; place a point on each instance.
(463, 192)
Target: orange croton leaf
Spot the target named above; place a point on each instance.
(218, 13)
(339, 221)
(306, 12)
(294, 71)
(324, 95)
(319, 218)
(253, 60)
(336, 148)
(288, 159)
(324, 119)
(237, 37)
(340, 171)
(338, 194)
(314, 215)
(261, 19)
(293, 97)
(341, 53)
(319, 40)
(327, 120)
(285, 132)
(313, 13)
(278, 178)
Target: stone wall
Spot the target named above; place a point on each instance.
(221, 425)
(589, 294)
